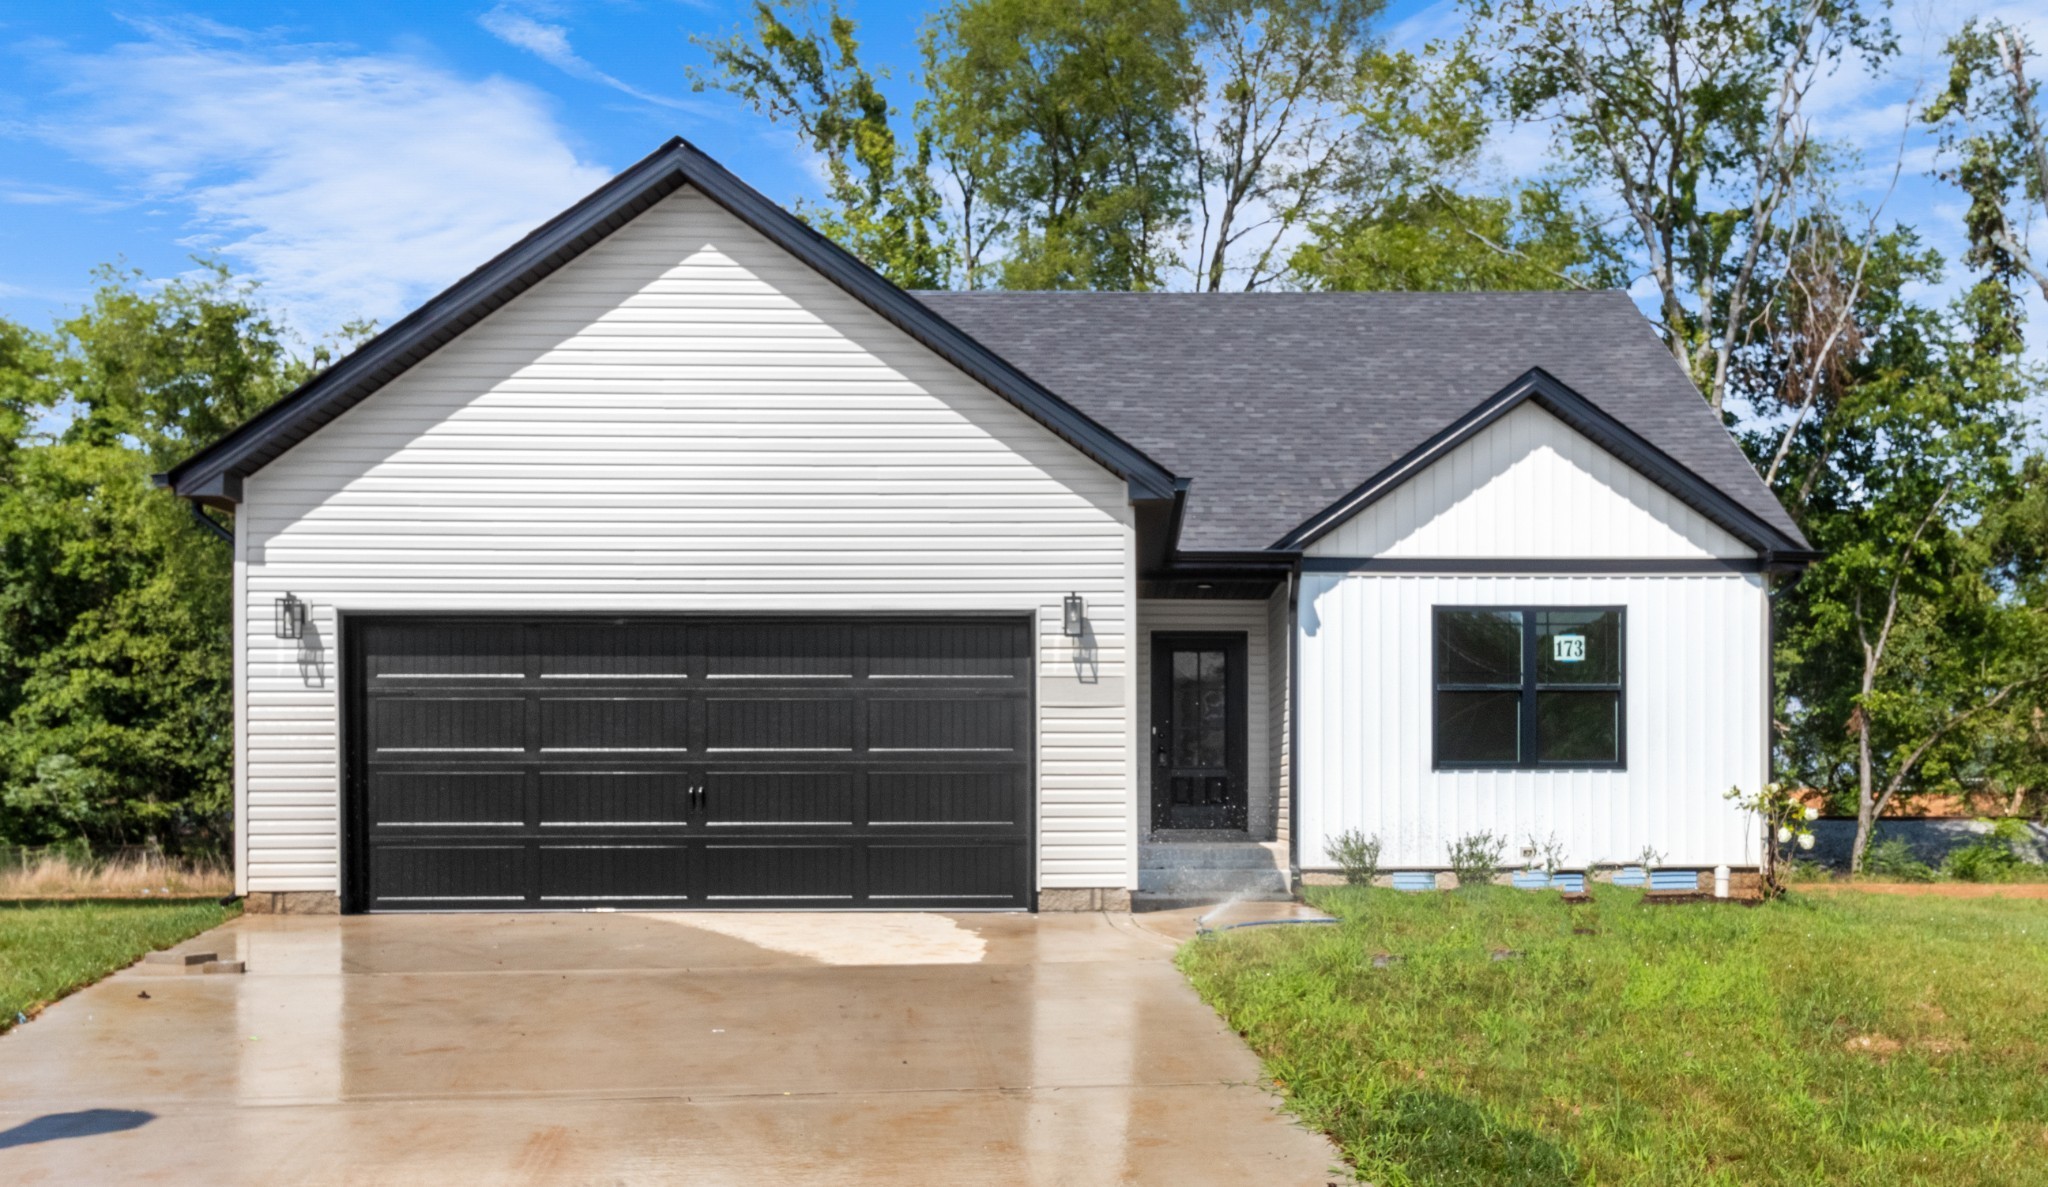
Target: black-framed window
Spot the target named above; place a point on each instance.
(1529, 686)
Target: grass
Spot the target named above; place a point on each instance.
(1852, 1039)
(56, 875)
(49, 949)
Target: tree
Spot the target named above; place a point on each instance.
(1995, 148)
(802, 66)
(115, 704)
(1691, 115)
(1439, 241)
(1058, 120)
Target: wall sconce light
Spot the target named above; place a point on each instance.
(1073, 617)
(291, 617)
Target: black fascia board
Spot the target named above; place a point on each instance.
(1587, 418)
(214, 474)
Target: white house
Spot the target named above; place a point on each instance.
(673, 558)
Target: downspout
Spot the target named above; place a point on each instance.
(213, 525)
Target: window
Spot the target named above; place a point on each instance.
(1528, 686)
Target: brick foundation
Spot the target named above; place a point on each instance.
(1094, 898)
(292, 902)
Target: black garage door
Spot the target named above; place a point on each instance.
(521, 764)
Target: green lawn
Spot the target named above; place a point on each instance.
(1851, 1038)
(48, 949)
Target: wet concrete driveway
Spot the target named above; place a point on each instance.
(704, 1049)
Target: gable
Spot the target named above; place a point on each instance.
(1529, 486)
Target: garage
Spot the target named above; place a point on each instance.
(573, 763)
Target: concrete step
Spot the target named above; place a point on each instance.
(1260, 855)
(1195, 880)
(1146, 900)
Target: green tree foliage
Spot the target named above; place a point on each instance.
(1994, 132)
(1438, 241)
(1690, 116)
(801, 65)
(1064, 118)
(115, 703)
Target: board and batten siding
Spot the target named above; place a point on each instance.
(684, 418)
(1172, 615)
(1695, 647)
(1529, 485)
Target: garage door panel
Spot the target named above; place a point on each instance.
(440, 650)
(653, 652)
(448, 725)
(767, 651)
(748, 798)
(633, 724)
(986, 725)
(956, 651)
(758, 762)
(418, 875)
(939, 798)
(431, 798)
(944, 872)
(640, 799)
(606, 874)
(778, 724)
(813, 875)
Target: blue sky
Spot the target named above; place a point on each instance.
(357, 156)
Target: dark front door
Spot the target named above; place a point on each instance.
(1198, 731)
(565, 763)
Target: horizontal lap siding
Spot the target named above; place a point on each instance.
(1695, 655)
(682, 419)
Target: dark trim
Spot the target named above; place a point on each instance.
(211, 524)
(1293, 725)
(1530, 728)
(1586, 418)
(214, 474)
(1519, 565)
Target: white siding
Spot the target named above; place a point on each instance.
(1695, 686)
(1279, 710)
(1172, 614)
(1529, 485)
(684, 418)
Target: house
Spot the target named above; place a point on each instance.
(673, 558)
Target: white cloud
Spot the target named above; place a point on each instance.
(351, 184)
(550, 43)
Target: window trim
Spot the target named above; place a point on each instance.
(1529, 721)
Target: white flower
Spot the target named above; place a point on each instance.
(1774, 788)
(1806, 840)
(1813, 813)
(1784, 834)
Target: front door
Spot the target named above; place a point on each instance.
(1198, 731)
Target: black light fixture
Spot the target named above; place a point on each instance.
(1073, 617)
(291, 617)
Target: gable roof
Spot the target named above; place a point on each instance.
(1285, 408)
(214, 475)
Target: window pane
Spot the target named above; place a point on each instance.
(1478, 647)
(1578, 726)
(1478, 727)
(1578, 647)
(1199, 719)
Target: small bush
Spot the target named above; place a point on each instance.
(1476, 857)
(1357, 855)
(1891, 857)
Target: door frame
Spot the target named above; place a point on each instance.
(352, 810)
(1236, 735)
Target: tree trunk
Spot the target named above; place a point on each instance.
(1866, 791)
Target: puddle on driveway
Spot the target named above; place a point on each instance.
(844, 939)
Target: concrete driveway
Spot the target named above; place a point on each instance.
(991, 1049)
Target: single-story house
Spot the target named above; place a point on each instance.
(674, 558)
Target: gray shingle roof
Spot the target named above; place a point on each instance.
(1275, 405)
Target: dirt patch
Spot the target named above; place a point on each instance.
(2024, 890)
(1877, 1045)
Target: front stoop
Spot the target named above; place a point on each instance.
(1177, 874)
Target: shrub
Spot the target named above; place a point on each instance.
(1475, 858)
(1357, 855)
(1891, 857)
